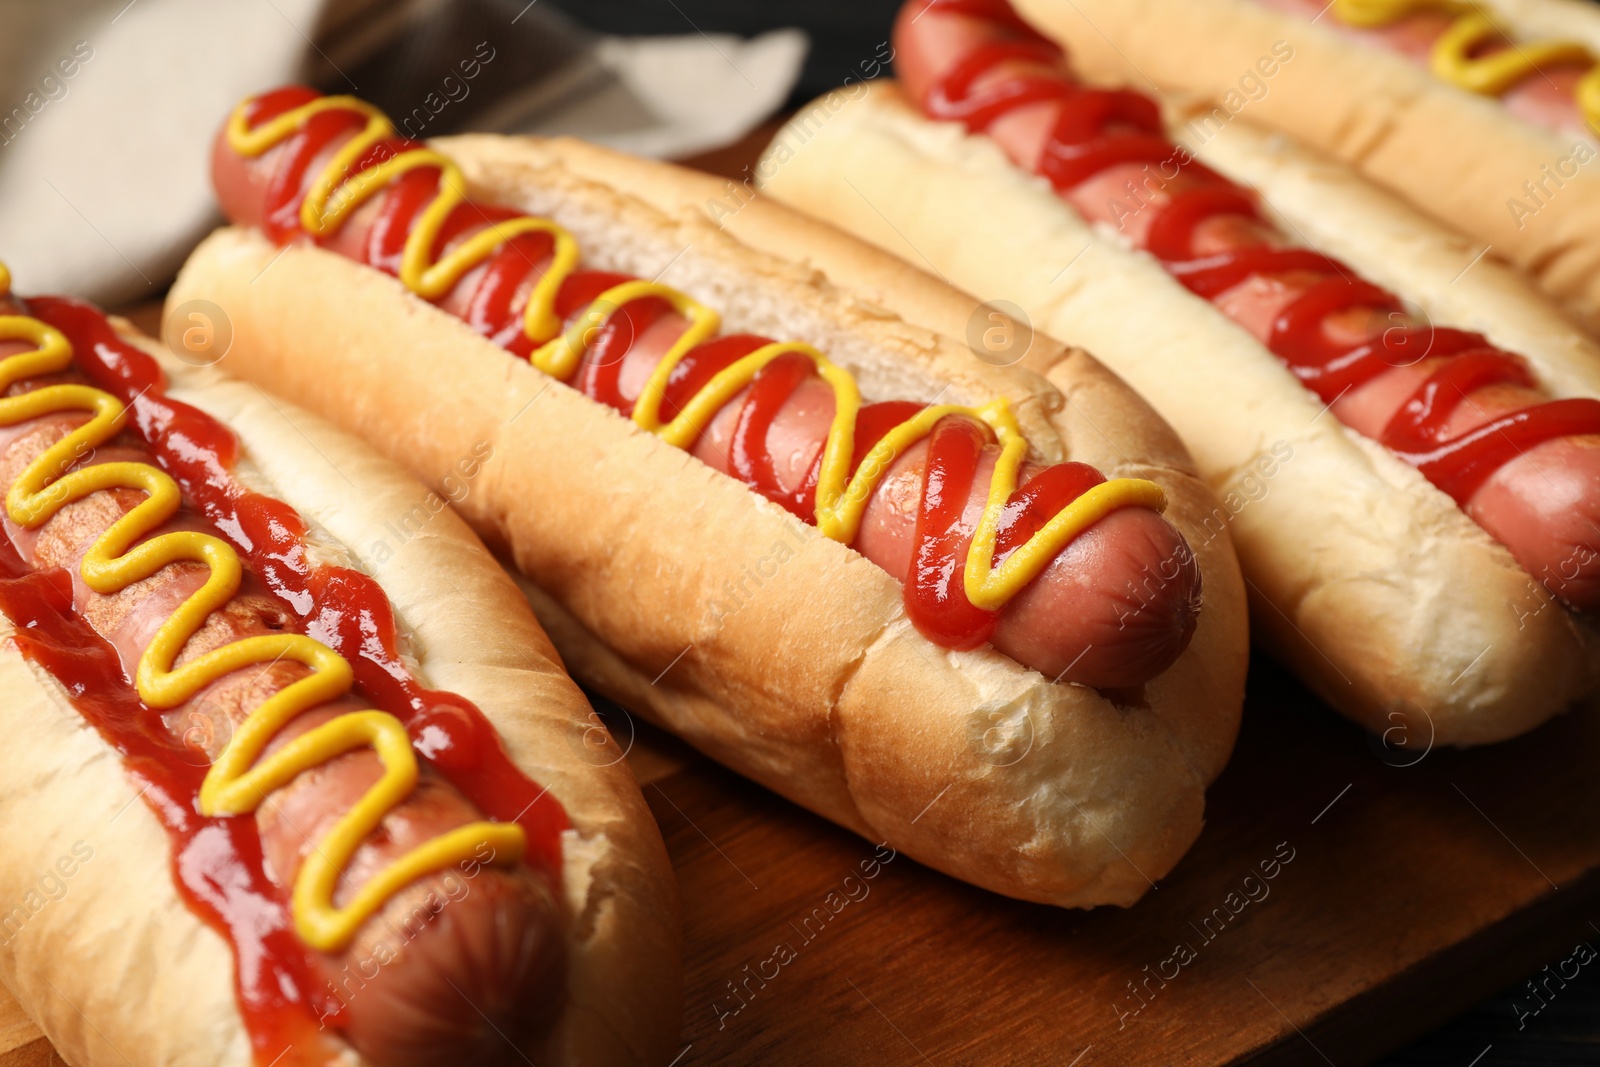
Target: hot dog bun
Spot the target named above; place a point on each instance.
(1461, 157)
(683, 595)
(120, 971)
(1393, 604)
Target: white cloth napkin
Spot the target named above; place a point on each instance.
(108, 109)
(698, 92)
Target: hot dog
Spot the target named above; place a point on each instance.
(1008, 550)
(1480, 423)
(1539, 500)
(1079, 621)
(186, 596)
(1482, 114)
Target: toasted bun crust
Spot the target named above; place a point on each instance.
(1461, 157)
(1384, 596)
(120, 971)
(683, 595)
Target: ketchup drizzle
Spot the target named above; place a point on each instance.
(935, 595)
(217, 862)
(935, 600)
(1097, 129)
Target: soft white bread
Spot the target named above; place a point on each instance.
(904, 289)
(688, 598)
(1384, 596)
(1462, 157)
(1442, 273)
(119, 971)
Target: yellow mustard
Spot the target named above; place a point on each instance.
(841, 498)
(1489, 75)
(240, 780)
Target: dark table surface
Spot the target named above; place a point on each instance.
(1515, 1030)
(1544, 1020)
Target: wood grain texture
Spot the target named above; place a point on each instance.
(1413, 892)
(16, 1031)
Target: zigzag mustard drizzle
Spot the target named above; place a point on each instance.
(1490, 75)
(841, 499)
(240, 780)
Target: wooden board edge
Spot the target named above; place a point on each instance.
(1421, 999)
(36, 1053)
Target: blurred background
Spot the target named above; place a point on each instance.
(108, 107)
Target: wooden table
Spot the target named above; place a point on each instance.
(1405, 886)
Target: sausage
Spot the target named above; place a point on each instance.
(1117, 606)
(492, 939)
(1548, 98)
(1544, 505)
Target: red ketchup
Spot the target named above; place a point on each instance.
(935, 596)
(217, 862)
(1097, 129)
